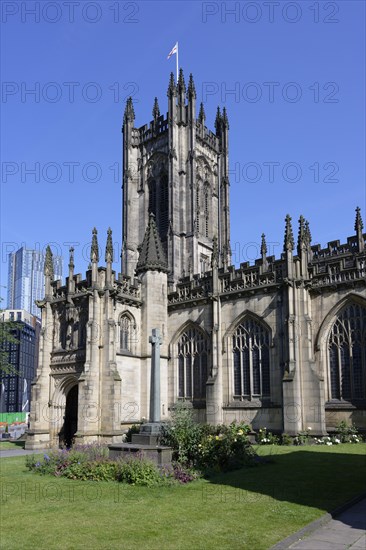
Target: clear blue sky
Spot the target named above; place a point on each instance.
(298, 72)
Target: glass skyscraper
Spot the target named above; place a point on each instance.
(26, 278)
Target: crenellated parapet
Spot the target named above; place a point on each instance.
(316, 267)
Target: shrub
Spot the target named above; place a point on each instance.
(227, 448)
(286, 439)
(105, 470)
(138, 470)
(302, 438)
(264, 437)
(348, 434)
(183, 434)
(134, 429)
(90, 451)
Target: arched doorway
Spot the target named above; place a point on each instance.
(71, 416)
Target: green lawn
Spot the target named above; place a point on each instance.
(9, 445)
(252, 508)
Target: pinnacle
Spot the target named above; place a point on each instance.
(109, 247)
(181, 83)
(201, 114)
(218, 121)
(129, 111)
(152, 256)
(94, 251)
(48, 264)
(263, 245)
(289, 236)
(156, 109)
(191, 87)
(358, 221)
(171, 88)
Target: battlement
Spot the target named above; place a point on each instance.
(337, 264)
(207, 137)
(122, 286)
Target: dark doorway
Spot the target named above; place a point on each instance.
(71, 416)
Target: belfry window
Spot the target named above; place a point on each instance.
(347, 354)
(152, 197)
(163, 207)
(192, 364)
(197, 208)
(206, 213)
(251, 360)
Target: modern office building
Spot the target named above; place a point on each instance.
(26, 278)
(19, 360)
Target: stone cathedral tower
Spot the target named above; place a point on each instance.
(176, 169)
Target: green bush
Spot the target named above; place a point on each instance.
(227, 448)
(286, 439)
(92, 464)
(92, 471)
(138, 470)
(183, 434)
(134, 429)
(264, 437)
(218, 448)
(348, 434)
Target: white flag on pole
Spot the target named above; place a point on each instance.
(173, 51)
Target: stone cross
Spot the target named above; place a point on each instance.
(155, 342)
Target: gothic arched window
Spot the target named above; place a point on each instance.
(347, 354)
(251, 359)
(127, 326)
(192, 364)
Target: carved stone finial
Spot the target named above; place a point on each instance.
(129, 111)
(202, 115)
(358, 220)
(191, 93)
(48, 264)
(263, 245)
(94, 252)
(109, 247)
(156, 110)
(215, 253)
(289, 236)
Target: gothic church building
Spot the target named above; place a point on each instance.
(281, 343)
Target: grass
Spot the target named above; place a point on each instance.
(10, 445)
(246, 509)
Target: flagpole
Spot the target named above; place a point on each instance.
(177, 62)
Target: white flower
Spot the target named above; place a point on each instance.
(329, 442)
(309, 429)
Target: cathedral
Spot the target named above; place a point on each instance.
(279, 344)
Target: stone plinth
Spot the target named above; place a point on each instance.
(162, 456)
